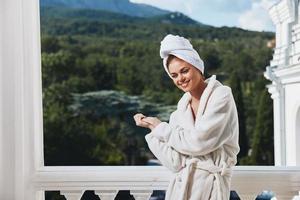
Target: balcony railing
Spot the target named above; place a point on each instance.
(247, 181)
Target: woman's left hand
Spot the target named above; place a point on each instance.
(154, 121)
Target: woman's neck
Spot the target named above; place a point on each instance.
(195, 98)
(197, 93)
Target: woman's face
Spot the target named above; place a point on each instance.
(184, 75)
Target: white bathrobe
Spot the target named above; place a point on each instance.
(201, 153)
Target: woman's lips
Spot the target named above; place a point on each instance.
(185, 84)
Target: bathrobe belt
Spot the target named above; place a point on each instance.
(218, 172)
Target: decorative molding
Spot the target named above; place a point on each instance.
(273, 90)
(289, 74)
(283, 12)
(279, 56)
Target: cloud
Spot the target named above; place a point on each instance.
(214, 12)
(226, 5)
(257, 18)
(247, 14)
(163, 4)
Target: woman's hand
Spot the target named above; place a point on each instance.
(154, 121)
(138, 118)
(146, 122)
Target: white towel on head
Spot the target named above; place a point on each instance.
(181, 48)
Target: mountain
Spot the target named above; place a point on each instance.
(175, 18)
(108, 16)
(118, 6)
(74, 21)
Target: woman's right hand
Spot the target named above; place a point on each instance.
(138, 118)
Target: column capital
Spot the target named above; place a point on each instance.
(274, 91)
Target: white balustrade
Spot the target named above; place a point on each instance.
(247, 181)
(106, 194)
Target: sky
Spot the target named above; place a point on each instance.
(246, 14)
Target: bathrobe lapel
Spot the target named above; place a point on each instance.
(185, 115)
(205, 97)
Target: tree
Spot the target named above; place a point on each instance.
(50, 44)
(235, 84)
(263, 141)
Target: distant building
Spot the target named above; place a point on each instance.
(284, 72)
(271, 43)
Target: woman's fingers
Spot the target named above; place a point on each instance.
(138, 118)
(146, 122)
(151, 120)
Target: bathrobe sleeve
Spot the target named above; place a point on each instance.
(212, 129)
(166, 154)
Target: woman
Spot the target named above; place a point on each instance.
(200, 142)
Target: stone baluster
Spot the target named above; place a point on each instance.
(141, 194)
(106, 194)
(247, 196)
(72, 194)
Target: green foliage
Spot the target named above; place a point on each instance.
(235, 84)
(262, 148)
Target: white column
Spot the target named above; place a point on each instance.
(297, 133)
(10, 59)
(20, 105)
(279, 136)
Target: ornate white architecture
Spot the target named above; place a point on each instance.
(23, 175)
(284, 72)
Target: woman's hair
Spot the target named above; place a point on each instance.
(172, 57)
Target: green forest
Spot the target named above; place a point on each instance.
(100, 68)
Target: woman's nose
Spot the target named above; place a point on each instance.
(181, 78)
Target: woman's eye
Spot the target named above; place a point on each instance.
(174, 76)
(185, 71)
